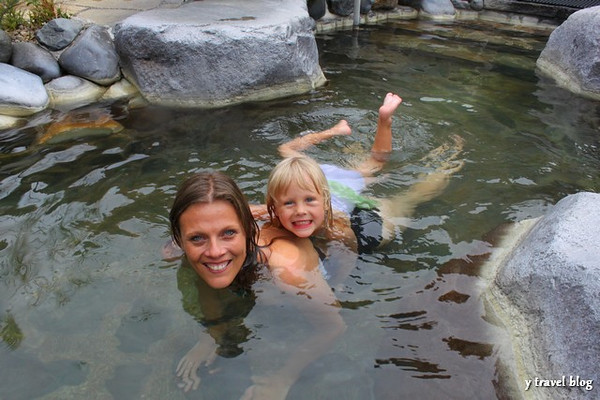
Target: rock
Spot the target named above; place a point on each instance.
(92, 56)
(385, 4)
(346, 7)
(366, 5)
(438, 7)
(68, 92)
(7, 122)
(476, 5)
(548, 288)
(22, 93)
(208, 54)
(35, 59)
(5, 47)
(71, 128)
(59, 33)
(316, 8)
(572, 54)
(120, 90)
(341, 7)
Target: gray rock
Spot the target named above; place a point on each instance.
(5, 47)
(92, 56)
(68, 92)
(438, 7)
(476, 5)
(341, 7)
(316, 8)
(346, 7)
(572, 54)
(22, 93)
(35, 59)
(208, 54)
(385, 4)
(59, 33)
(552, 280)
(366, 5)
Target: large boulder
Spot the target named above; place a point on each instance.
(92, 56)
(22, 93)
(572, 53)
(214, 53)
(547, 291)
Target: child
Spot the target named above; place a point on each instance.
(306, 200)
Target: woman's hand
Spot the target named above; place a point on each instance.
(204, 352)
(272, 388)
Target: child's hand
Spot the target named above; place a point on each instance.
(204, 352)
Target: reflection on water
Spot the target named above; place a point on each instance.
(88, 306)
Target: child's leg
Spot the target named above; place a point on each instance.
(400, 207)
(382, 145)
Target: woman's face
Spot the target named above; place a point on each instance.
(213, 241)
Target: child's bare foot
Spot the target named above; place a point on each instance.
(389, 106)
(341, 128)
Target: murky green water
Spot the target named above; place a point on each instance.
(90, 310)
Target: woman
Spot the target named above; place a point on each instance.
(212, 223)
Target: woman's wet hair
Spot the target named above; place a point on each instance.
(207, 187)
(304, 172)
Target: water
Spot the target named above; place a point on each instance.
(90, 310)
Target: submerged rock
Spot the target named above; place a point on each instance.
(210, 54)
(73, 127)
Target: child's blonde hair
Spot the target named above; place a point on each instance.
(304, 172)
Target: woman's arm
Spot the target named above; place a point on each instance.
(203, 353)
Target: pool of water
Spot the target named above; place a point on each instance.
(89, 309)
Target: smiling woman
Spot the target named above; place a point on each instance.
(211, 221)
(216, 248)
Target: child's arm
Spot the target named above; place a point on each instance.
(295, 147)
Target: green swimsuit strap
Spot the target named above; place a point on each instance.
(347, 193)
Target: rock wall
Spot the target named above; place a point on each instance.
(545, 288)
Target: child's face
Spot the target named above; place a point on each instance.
(214, 241)
(300, 211)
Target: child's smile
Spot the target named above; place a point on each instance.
(301, 211)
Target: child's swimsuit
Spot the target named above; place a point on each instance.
(345, 187)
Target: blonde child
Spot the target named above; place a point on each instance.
(305, 199)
